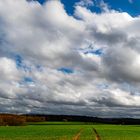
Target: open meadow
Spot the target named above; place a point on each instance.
(68, 130)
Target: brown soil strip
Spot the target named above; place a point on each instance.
(96, 134)
(77, 136)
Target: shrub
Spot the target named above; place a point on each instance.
(12, 120)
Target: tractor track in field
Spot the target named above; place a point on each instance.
(77, 136)
(96, 134)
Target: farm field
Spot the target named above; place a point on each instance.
(67, 130)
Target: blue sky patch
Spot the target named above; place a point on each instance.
(98, 52)
(41, 1)
(20, 64)
(18, 60)
(132, 7)
(28, 80)
(66, 70)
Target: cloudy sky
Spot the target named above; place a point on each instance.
(77, 57)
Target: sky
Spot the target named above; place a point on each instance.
(130, 6)
(77, 57)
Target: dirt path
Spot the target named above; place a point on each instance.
(96, 134)
(77, 136)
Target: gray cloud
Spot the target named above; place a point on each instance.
(47, 39)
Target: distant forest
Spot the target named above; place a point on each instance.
(15, 120)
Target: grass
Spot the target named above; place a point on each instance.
(67, 130)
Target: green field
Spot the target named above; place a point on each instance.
(67, 130)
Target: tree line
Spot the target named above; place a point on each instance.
(18, 120)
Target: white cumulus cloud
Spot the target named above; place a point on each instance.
(85, 64)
